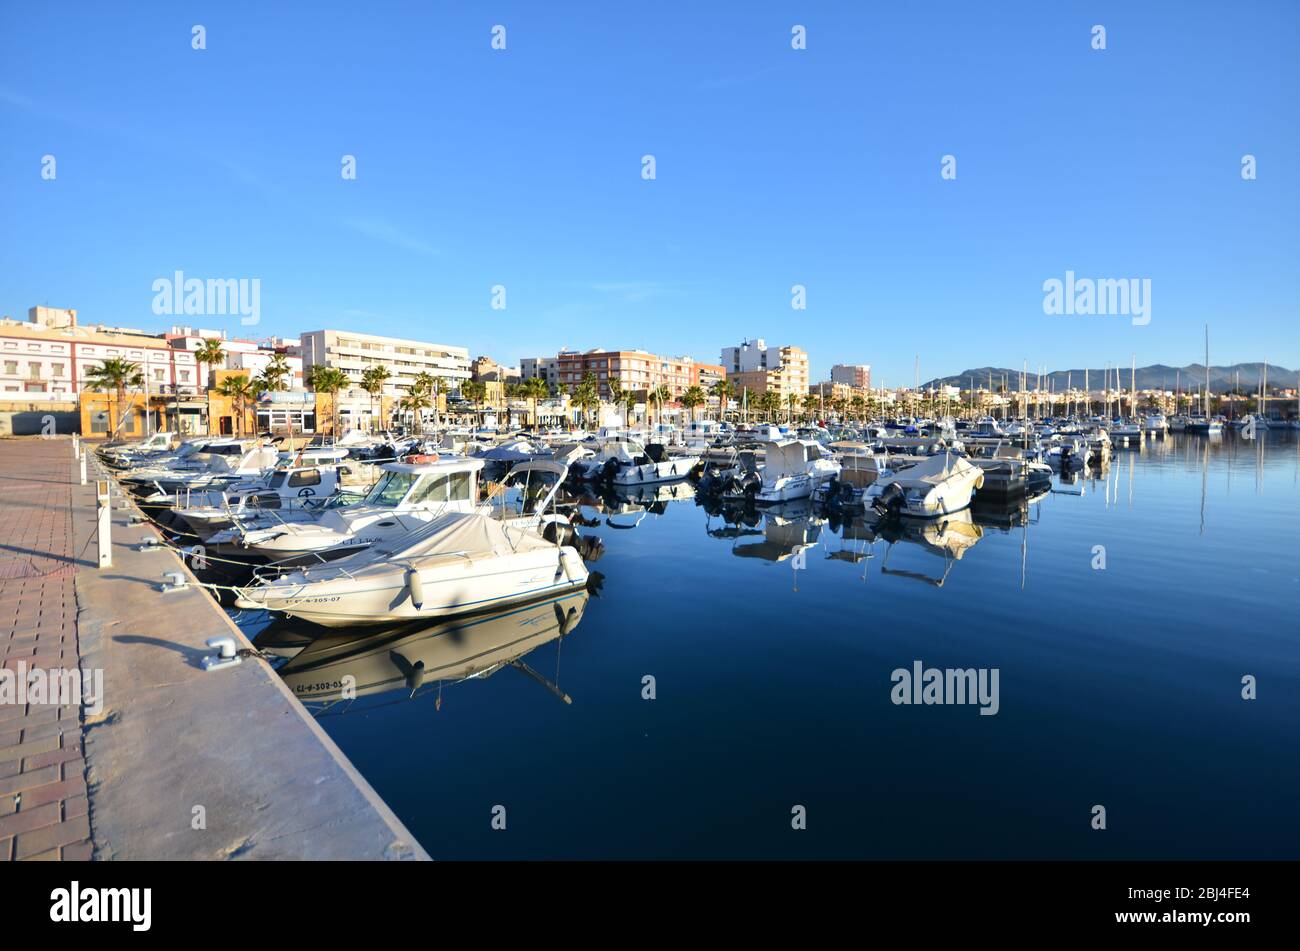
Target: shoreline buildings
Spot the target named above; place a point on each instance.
(758, 368)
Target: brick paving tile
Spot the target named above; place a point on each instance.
(43, 802)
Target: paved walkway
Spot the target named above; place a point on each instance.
(171, 762)
(43, 805)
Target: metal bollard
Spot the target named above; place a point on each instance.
(177, 579)
(104, 525)
(225, 656)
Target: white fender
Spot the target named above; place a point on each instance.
(415, 586)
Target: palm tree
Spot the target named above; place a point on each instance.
(617, 394)
(116, 374)
(272, 379)
(416, 401)
(476, 392)
(811, 404)
(210, 353)
(770, 403)
(723, 391)
(859, 406)
(327, 379)
(533, 389)
(274, 374)
(373, 379)
(791, 401)
(240, 390)
(659, 394)
(693, 398)
(586, 395)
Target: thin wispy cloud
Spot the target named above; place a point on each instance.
(390, 234)
(12, 98)
(738, 79)
(632, 292)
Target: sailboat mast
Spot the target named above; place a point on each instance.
(1206, 398)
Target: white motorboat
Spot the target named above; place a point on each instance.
(120, 457)
(513, 450)
(407, 496)
(792, 469)
(215, 466)
(935, 486)
(296, 484)
(655, 465)
(1155, 423)
(454, 564)
(1120, 430)
(626, 462)
(1204, 426)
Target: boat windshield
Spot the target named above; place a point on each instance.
(390, 489)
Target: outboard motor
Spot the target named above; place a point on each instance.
(891, 501)
(610, 470)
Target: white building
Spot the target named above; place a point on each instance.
(50, 361)
(354, 353)
(545, 368)
(240, 354)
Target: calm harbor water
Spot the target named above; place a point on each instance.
(1118, 685)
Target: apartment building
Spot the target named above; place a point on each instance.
(249, 356)
(856, 375)
(636, 370)
(758, 368)
(545, 368)
(354, 353)
(40, 360)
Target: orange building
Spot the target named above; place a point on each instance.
(635, 370)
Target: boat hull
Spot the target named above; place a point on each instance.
(456, 585)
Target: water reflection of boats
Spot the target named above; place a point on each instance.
(948, 537)
(789, 528)
(649, 495)
(1009, 514)
(326, 667)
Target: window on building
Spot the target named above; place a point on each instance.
(56, 369)
(34, 371)
(11, 368)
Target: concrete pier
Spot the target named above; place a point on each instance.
(180, 763)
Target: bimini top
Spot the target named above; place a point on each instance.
(789, 457)
(458, 533)
(936, 469)
(448, 464)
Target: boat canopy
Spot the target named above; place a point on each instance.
(437, 466)
(789, 458)
(465, 535)
(935, 470)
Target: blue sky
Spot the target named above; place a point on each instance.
(775, 167)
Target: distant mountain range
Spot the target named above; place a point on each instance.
(1157, 376)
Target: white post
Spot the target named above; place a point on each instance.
(104, 530)
(83, 470)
